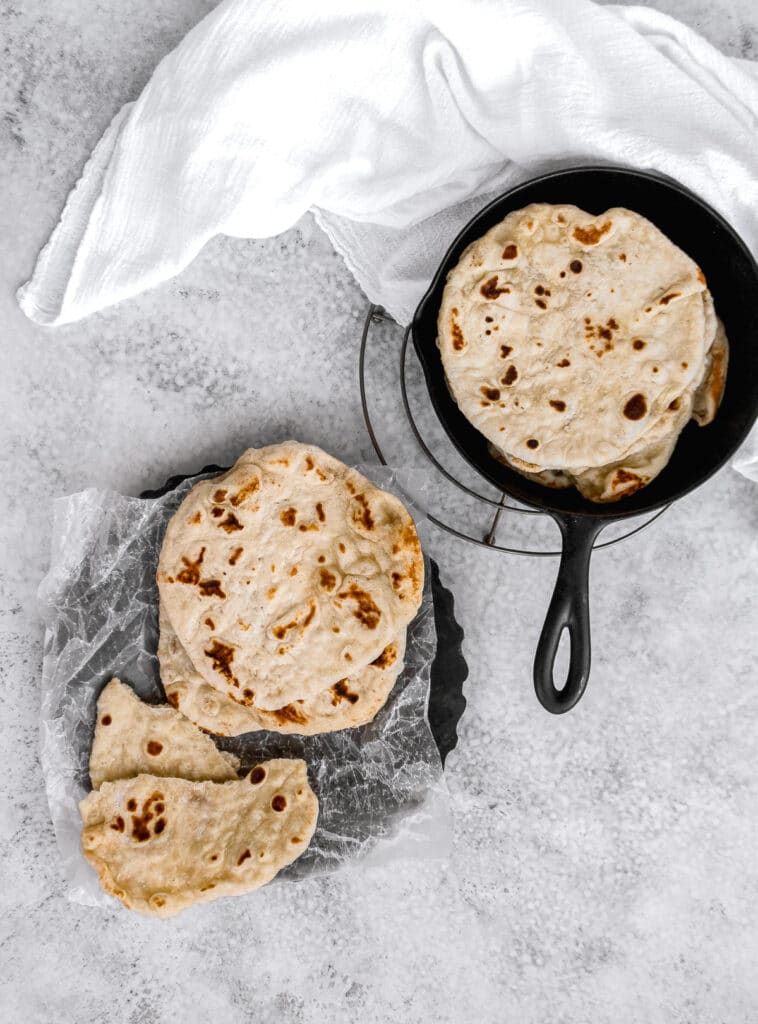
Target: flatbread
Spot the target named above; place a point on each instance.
(637, 468)
(162, 844)
(634, 470)
(645, 460)
(288, 573)
(346, 704)
(711, 390)
(132, 738)
(565, 337)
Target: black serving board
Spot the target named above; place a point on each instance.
(449, 670)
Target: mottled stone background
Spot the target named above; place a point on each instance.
(604, 865)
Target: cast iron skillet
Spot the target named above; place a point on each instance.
(732, 277)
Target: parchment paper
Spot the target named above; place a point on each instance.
(380, 787)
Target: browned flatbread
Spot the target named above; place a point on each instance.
(346, 704)
(133, 738)
(573, 342)
(287, 574)
(162, 844)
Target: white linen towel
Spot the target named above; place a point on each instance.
(390, 120)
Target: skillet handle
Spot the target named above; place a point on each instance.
(569, 609)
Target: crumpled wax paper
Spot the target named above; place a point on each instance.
(380, 787)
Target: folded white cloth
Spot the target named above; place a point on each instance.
(386, 118)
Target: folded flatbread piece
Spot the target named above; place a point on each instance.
(132, 738)
(162, 844)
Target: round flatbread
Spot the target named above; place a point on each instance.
(635, 469)
(287, 574)
(651, 453)
(566, 337)
(346, 704)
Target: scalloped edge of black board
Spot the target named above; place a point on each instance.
(449, 670)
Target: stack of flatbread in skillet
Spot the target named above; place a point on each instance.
(581, 345)
(286, 588)
(169, 823)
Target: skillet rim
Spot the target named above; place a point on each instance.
(609, 511)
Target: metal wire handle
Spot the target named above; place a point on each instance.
(376, 314)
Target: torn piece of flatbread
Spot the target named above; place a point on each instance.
(162, 844)
(132, 737)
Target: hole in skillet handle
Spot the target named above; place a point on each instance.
(561, 662)
(569, 610)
